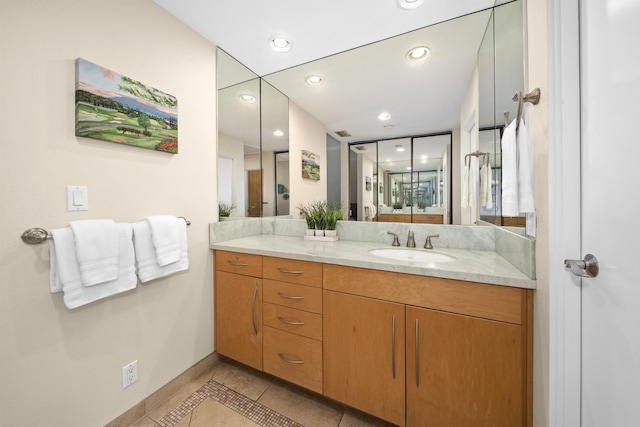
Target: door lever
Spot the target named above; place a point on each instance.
(583, 268)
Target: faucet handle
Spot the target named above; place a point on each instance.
(427, 244)
(396, 242)
(411, 243)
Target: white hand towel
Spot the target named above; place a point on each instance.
(147, 265)
(468, 186)
(68, 269)
(97, 250)
(525, 171)
(464, 203)
(485, 186)
(510, 171)
(165, 235)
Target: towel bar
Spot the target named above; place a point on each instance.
(34, 236)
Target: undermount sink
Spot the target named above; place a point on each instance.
(407, 254)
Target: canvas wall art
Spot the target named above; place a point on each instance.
(310, 165)
(115, 108)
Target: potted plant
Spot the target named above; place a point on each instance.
(334, 214)
(306, 210)
(397, 206)
(320, 217)
(224, 209)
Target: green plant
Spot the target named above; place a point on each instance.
(224, 209)
(334, 214)
(306, 210)
(397, 206)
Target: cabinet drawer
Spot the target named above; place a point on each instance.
(293, 358)
(293, 271)
(294, 296)
(295, 321)
(239, 263)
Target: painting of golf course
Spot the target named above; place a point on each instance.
(310, 166)
(115, 108)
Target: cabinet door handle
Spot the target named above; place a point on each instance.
(393, 346)
(237, 264)
(290, 322)
(294, 362)
(417, 355)
(253, 310)
(281, 295)
(282, 270)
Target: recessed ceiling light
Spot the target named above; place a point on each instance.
(399, 148)
(423, 157)
(409, 4)
(280, 44)
(384, 116)
(418, 53)
(408, 168)
(278, 133)
(314, 80)
(248, 98)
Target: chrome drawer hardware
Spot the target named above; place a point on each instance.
(583, 268)
(237, 264)
(253, 310)
(281, 295)
(417, 356)
(290, 322)
(282, 270)
(295, 362)
(393, 346)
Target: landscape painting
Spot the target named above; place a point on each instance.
(310, 166)
(116, 108)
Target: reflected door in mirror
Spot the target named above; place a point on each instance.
(254, 182)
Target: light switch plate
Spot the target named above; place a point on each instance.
(77, 198)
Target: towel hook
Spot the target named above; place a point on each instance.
(532, 97)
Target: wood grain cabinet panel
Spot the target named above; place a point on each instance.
(364, 356)
(291, 320)
(463, 371)
(293, 358)
(238, 318)
(239, 263)
(293, 271)
(300, 297)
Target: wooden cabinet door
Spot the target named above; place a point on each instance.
(364, 358)
(468, 372)
(238, 318)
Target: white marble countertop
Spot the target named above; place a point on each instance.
(470, 265)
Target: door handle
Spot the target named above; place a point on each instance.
(583, 268)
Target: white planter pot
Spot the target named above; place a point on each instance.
(319, 232)
(330, 233)
(309, 231)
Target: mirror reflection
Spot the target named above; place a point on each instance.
(454, 100)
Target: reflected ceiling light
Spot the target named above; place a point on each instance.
(387, 127)
(409, 4)
(408, 168)
(280, 44)
(314, 80)
(399, 148)
(419, 53)
(384, 116)
(423, 157)
(248, 98)
(278, 133)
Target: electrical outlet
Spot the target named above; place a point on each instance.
(129, 374)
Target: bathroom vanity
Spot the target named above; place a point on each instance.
(409, 348)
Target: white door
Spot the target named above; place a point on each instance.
(610, 190)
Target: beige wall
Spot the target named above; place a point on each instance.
(60, 367)
(305, 133)
(537, 123)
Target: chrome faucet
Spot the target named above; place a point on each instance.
(396, 242)
(411, 243)
(427, 244)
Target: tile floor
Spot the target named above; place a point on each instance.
(234, 395)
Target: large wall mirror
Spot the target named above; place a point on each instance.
(253, 135)
(475, 60)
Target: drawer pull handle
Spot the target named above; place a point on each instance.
(393, 346)
(417, 355)
(294, 362)
(282, 270)
(281, 295)
(290, 322)
(253, 310)
(237, 264)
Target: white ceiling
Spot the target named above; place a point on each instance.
(360, 83)
(315, 28)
